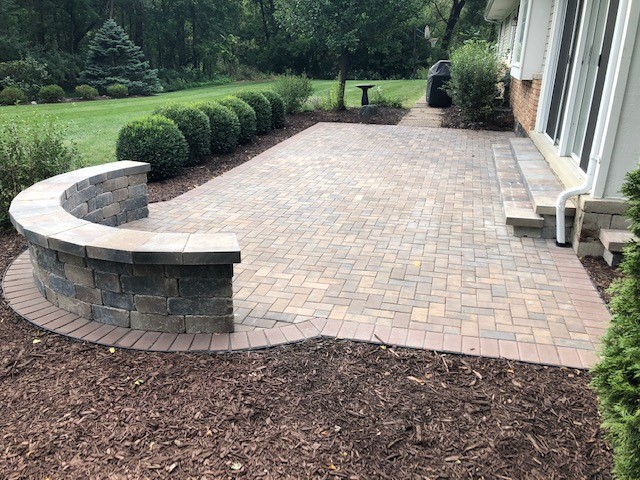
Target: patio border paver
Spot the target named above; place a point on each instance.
(24, 298)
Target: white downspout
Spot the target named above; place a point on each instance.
(561, 203)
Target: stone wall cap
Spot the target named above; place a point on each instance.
(38, 214)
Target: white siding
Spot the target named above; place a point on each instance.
(507, 37)
(547, 44)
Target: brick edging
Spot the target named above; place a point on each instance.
(24, 298)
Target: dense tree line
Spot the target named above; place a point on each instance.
(238, 37)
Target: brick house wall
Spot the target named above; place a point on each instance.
(524, 95)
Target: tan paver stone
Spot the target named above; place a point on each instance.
(329, 227)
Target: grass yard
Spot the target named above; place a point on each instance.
(94, 125)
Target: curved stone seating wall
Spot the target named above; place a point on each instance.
(166, 282)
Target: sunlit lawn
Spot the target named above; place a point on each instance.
(94, 125)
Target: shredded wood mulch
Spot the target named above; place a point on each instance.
(500, 120)
(321, 409)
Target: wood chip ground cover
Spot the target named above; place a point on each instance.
(320, 409)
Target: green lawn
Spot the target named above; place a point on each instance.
(94, 126)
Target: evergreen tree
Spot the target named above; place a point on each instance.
(114, 58)
(617, 376)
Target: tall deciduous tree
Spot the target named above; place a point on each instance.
(113, 58)
(344, 25)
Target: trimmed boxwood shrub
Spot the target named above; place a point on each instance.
(278, 109)
(617, 377)
(157, 141)
(194, 125)
(225, 126)
(86, 92)
(51, 94)
(12, 96)
(246, 116)
(261, 106)
(117, 90)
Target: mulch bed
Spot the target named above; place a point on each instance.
(601, 274)
(320, 409)
(500, 120)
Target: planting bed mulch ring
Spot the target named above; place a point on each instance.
(320, 409)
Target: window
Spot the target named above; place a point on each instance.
(520, 32)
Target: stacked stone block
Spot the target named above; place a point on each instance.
(166, 282)
(164, 298)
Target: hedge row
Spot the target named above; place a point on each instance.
(182, 135)
(54, 93)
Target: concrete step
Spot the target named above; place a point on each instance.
(541, 184)
(519, 214)
(613, 242)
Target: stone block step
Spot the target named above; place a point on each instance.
(518, 211)
(540, 182)
(613, 242)
(521, 215)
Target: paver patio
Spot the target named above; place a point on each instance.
(390, 233)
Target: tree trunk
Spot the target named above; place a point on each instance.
(264, 20)
(342, 79)
(454, 16)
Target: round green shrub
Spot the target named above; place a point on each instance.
(261, 106)
(278, 109)
(51, 94)
(246, 115)
(473, 85)
(295, 90)
(12, 96)
(117, 90)
(86, 92)
(225, 126)
(194, 125)
(157, 141)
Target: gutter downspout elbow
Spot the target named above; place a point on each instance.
(561, 203)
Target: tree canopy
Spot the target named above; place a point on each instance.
(201, 39)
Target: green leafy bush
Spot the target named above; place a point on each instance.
(157, 141)
(246, 116)
(194, 125)
(294, 90)
(28, 75)
(51, 94)
(12, 96)
(86, 92)
(225, 126)
(117, 90)
(377, 97)
(617, 377)
(31, 150)
(261, 106)
(475, 73)
(328, 101)
(278, 109)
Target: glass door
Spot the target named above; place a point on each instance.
(590, 61)
(563, 69)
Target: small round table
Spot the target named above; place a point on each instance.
(365, 97)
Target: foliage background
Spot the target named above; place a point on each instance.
(197, 41)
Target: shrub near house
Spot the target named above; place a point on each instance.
(474, 79)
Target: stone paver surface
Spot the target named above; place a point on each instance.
(423, 115)
(392, 233)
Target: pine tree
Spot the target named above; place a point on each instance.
(114, 58)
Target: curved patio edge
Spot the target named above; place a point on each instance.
(26, 300)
